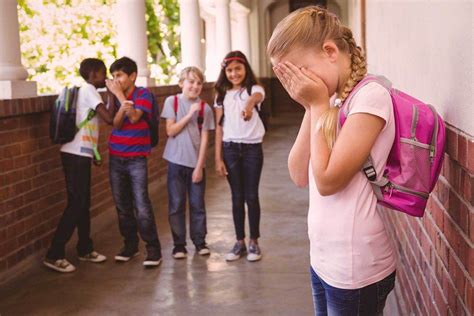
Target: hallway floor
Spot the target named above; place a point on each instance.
(277, 285)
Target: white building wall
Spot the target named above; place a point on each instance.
(426, 49)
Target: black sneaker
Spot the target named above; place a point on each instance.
(152, 260)
(179, 252)
(237, 251)
(126, 254)
(203, 250)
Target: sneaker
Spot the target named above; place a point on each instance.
(152, 260)
(126, 254)
(254, 252)
(179, 252)
(60, 265)
(237, 251)
(94, 256)
(203, 250)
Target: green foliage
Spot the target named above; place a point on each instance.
(57, 34)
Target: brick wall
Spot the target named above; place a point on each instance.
(436, 255)
(32, 187)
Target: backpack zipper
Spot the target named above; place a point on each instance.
(434, 138)
(414, 143)
(392, 186)
(414, 122)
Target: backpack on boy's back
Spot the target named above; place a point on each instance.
(62, 123)
(416, 157)
(200, 119)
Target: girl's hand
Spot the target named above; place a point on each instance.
(220, 168)
(197, 175)
(247, 114)
(302, 85)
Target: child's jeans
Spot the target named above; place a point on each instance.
(367, 301)
(129, 183)
(244, 163)
(77, 170)
(179, 184)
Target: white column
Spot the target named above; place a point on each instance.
(222, 28)
(212, 63)
(132, 37)
(190, 25)
(242, 31)
(13, 75)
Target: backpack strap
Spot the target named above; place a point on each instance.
(368, 168)
(201, 115)
(175, 105)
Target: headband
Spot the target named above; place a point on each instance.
(227, 60)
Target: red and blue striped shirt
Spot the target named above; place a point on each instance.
(133, 140)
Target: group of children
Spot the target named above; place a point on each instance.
(315, 57)
(188, 122)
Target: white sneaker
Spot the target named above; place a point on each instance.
(94, 256)
(255, 254)
(237, 251)
(60, 265)
(203, 250)
(179, 252)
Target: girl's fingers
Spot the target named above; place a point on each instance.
(294, 70)
(311, 75)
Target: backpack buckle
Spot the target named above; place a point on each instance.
(370, 173)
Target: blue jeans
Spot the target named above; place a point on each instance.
(179, 183)
(369, 300)
(244, 163)
(129, 183)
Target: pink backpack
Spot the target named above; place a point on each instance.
(416, 157)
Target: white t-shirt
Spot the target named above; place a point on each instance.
(349, 245)
(82, 144)
(235, 129)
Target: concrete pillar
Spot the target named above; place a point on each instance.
(212, 63)
(222, 29)
(132, 37)
(242, 31)
(13, 84)
(190, 21)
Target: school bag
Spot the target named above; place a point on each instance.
(416, 157)
(200, 119)
(153, 119)
(62, 123)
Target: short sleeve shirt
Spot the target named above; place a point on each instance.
(349, 246)
(235, 128)
(133, 140)
(88, 136)
(183, 149)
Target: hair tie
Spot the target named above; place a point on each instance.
(227, 60)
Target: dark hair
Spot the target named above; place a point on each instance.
(223, 84)
(90, 65)
(125, 64)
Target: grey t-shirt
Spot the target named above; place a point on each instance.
(183, 149)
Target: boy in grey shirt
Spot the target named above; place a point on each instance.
(188, 121)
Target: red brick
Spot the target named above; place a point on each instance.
(471, 227)
(6, 164)
(22, 162)
(470, 155)
(13, 177)
(9, 124)
(469, 298)
(462, 150)
(452, 143)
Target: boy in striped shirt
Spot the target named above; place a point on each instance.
(129, 147)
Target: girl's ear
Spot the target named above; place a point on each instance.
(331, 50)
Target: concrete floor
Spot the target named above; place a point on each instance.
(277, 285)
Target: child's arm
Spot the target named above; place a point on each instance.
(219, 160)
(298, 159)
(252, 101)
(107, 114)
(173, 128)
(198, 171)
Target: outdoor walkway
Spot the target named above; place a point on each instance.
(277, 285)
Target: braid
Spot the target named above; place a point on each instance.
(358, 63)
(358, 71)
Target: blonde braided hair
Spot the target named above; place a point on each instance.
(312, 26)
